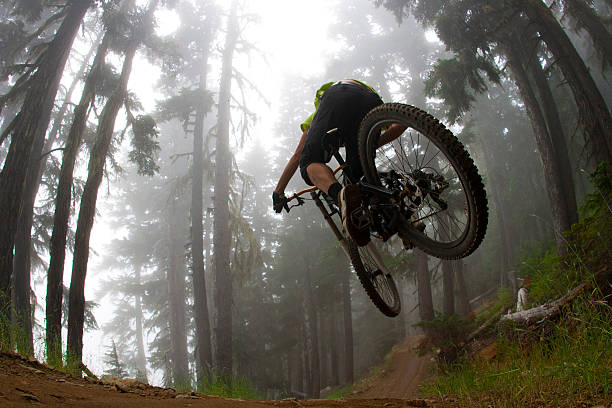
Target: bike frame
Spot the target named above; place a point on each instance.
(315, 193)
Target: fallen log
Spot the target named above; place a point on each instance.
(87, 371)
(546, 311)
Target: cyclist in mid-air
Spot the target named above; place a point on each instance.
(339, 108)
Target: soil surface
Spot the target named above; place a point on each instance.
(26, 382)
(402, 377)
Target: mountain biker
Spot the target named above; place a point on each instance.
(339, 108)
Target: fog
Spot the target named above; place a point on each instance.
(212, 94)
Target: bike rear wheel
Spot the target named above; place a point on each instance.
(375, 277)
(443, 204)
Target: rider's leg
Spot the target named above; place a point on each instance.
(323, 177)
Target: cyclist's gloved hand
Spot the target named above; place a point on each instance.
(278, 201)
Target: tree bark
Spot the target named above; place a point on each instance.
(223, 278)
(348, 326)
(552, 172)
(57, 250)
(203, 347)
(462, 305)
(448, 288)
(558, 142)
(426, 310)
(501, 212)
(333, 344)
(30, 125)
(176, 294)
(594, 114)
(87, 209)
(588, 20)
(23, 242)
(313, 337)
(547, 311)
(141, 359)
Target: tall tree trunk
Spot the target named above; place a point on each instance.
(223, 278)
(501, 213)
(448, 288)
(87, 209)
(313, 336)
(57, 256)
(594, 114)
(23, 241)
(203, 346)
(30, 125)
(558, 142)
(552, 172)
(141, 359)
(348, 326)
(426, 310)
(176, 294)
(588, 20)
(333, 343)
(462, 305)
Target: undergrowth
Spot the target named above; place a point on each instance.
(563, 362)
(235, 388)
(570, 366)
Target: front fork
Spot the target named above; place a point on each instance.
(342, 237)
(332, 224)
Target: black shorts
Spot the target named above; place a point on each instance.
(343, 106)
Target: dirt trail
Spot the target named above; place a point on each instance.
(403, 376)
(25, 382)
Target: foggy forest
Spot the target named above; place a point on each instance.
(140, 144)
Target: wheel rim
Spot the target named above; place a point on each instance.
(419, 160)
(381, 281)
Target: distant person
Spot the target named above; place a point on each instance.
(339, 109)
(521, 298)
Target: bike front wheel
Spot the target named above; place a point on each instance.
(375, 277)
(443, 202)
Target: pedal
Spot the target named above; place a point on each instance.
(360, 219)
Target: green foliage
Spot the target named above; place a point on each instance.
(116, 367)
(504, 301)
(219, 386)
(31, 10)
(13, 337)
(571, 365)
(455, 80)
(558, 363)
(145, 147)
(445, 333)
(340, 393)
(183, 105)
(589, 242)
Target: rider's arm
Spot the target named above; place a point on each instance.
(392, 133)
(291, 166)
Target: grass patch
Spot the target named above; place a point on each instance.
(234, 388)
(565, 362)
(341, 392)
(569, 366)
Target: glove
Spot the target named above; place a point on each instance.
(278, 201)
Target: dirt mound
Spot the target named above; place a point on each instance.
(26, 382)
(404, 374)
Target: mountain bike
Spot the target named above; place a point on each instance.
(421, 189)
